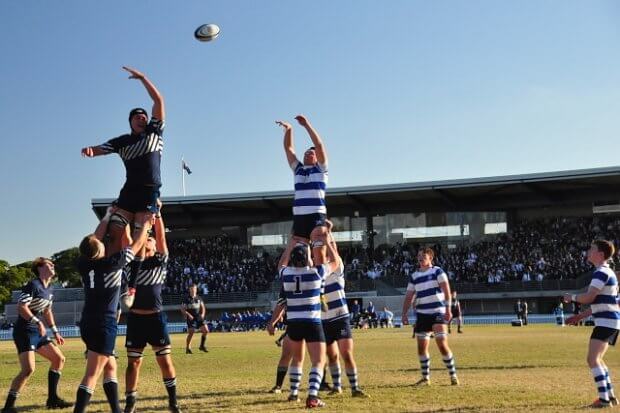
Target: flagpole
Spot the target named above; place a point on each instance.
(183, 174)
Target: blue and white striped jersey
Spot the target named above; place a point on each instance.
(335, 297)
(102, 283)
(149, 282)
(302, 288)
(141, 154)
(310, 185)
(430, 298)
(36, 296)
(605, 309)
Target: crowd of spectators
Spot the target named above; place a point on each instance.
(552, 248)
(217, 265)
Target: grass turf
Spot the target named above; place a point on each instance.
(501, 368)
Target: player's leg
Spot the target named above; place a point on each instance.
(57, 361)
(441, 338)
(610, 387)
(27, 367)
(283, 363)
(132, 376)
(316, 350)
(318, 241)
(596, 351)
(110, 384)
(345, 346)
(333, 362)
(423, 340)
(295, 371)
(168, 372)
(188, 340)
(94, 367)
(203, 338)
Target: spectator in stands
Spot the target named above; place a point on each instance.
(355, 310)
(385, 318)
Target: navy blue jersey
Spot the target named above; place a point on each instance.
(141, 154)
(102, 283)
(37, 297)
(192, 305)
(149, 281)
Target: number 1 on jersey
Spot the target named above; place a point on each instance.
(297, 285)
(91, 276)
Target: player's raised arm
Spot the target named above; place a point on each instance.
(319, 146)
(160, 232)
(159, 110)
(289, 148)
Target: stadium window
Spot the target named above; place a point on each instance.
(495, 228)
(265, 240)
(433, 232)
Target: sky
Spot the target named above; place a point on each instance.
(401, 91)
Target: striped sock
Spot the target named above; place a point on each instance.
(10, 399)
(171, 388)
(610, 387)
(294, 375)
(335, 371)
(425, 366)
(601, 383)
(352, 375)
(83, 398)
(314, 381)
(110, 387)
(449, 362)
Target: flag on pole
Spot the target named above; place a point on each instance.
(186, 168)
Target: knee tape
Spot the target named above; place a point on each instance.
(117, 219)
(163, 351)
(134, 354)
(423, 336)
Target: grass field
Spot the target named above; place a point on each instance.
(501, 368)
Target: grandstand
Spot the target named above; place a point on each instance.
(230, 244)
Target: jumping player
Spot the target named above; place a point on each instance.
(101, 277)
(147, 323)
(602, 295)
(430, 286)
(194, 311)
(309, 207)
(336, 325)
(30, 336)
(457, 314)
(302, 287)
(140, 151)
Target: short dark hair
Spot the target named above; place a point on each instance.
(89, 247)
(427, 250)
(606, 247)
(299, 256)
(37, 263)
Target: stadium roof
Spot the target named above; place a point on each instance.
(500, 193)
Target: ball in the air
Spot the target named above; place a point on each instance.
(207, 32)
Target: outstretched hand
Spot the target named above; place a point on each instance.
(134, 73)
(88, 152)
(302, 120)
(284, 124)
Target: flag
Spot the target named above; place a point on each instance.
(186, 168)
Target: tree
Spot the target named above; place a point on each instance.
(65, 265)
(12, 278)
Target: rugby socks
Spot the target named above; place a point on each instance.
(610, 387)
(171, 388)
(316, 375)
(110, 387)
(53, 377)
(335, 372)
(294, 375)
(352, 375)
(425, 366)
(130, 399)
(449, 363)
(280, 374)
(10, 399)
(203, 341)
(83, 398)
(601, 383)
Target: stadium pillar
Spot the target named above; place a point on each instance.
(370, 230)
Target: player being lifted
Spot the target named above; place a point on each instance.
(431, 290)
(30, 336)
(309, 207)
(147, 323)
(602, 295)
(336, 325)
(101, 269)
(302, 286)
(194, 311)
(140, 151)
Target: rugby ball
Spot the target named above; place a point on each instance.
(207, 32)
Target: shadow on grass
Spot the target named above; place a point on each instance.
(513, 367)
